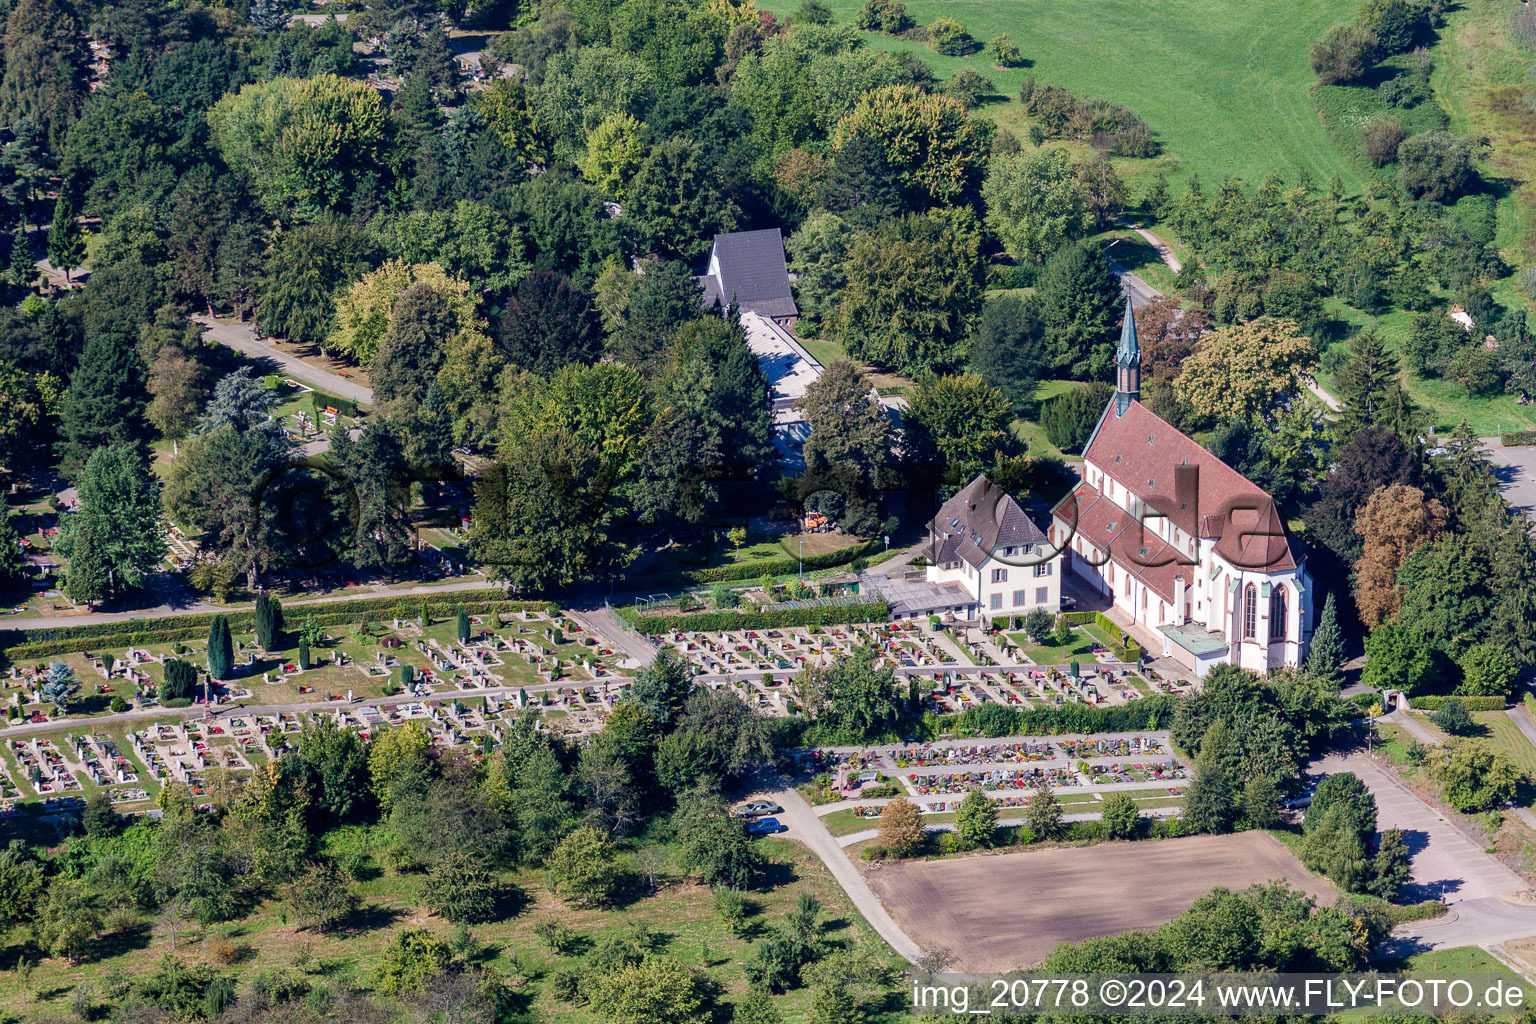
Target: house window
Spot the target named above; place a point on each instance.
(1277, 614)
(1250, 612)
(1043, 569)
(1018, 598)
(997, 601)
(1042, 595)
(999, 575)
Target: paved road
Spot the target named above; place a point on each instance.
(1515, 469)
(1140, 292)
(807, 828)
(1446, 863)
(243, 338)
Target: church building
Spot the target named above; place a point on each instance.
(1179, 541)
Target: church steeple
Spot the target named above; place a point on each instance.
(1127, 363)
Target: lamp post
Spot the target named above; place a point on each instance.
(802, 558)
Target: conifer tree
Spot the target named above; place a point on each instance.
(221, 655)
(463, 625)
(1325, 660)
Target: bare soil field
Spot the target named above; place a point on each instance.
(1004, 911)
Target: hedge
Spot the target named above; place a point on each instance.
(1131, 652)
(1435, 702)
(712, 622)
(1530, 704)
(767, 567)
(36, 643)
(1516, 438)
(996, 720)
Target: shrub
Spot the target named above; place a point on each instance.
(1454, 718)
(1003, 52)
(968, 86)
(1380, 139)
(1435, 165)
(889, 16)
(1344, 54)
(1514, 438)
(949, 37)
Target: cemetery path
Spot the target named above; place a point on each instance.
(243, 338)
(807, 828)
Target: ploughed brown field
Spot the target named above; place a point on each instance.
(1005, 911)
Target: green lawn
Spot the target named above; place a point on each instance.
(1028, 429)
(1447, 403)
(679, 913)
(1223, 83)
(1052, 653)
(1499, 732)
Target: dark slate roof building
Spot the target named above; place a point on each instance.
(748, 267)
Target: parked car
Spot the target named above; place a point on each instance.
(1068, 603)
(757, 808)
(1302, 802)
(765, 827)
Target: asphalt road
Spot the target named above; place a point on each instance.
(243, 338)
(1515, 469)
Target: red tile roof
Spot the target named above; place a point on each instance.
(1108, 527)
(1158, 464)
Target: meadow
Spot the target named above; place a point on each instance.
(1224, 84)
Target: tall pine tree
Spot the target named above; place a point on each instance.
(66, 242)
(105, 402)
(1370, 392)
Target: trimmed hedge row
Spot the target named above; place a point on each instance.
(137, 632)
(1516, 438)
(996, 720)
(767, 567)
(1434, 702)
(711, 622)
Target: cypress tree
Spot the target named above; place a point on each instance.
(303, 654)
(263, 622)
(1325, 660)
(221, 654)
(22, 267)
(463, 625)
(426, 615)
(407, 677)
(276, 608)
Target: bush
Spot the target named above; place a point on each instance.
(1345, 53)
(1515, 438)
(1435, 165)
(1003, 52)
(1453, 718)
(888, 16)
(968, 86)
(949, 37)
(1380, 138)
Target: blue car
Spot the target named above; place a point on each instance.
(765, 827)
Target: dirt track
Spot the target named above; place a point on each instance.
(1005, 911)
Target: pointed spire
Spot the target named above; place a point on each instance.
(1129, 352)
(1127, 363)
